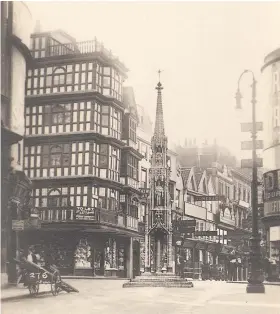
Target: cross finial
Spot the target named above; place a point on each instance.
(159, 72)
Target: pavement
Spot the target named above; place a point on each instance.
(108, 296)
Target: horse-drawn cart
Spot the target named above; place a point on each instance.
(33, 275)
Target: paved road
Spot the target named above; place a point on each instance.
(108, 296)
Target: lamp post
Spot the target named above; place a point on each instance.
(255, 278)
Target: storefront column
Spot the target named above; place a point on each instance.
(114, 254)
(130, 259)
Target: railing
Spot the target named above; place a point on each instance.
(49, 215)
(84, 47)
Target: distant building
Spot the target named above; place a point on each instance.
(192, 154)
(225, 217)
(271, 154)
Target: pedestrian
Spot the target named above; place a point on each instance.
(31, 257)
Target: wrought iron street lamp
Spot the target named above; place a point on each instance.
(255, 278)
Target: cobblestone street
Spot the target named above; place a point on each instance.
(108, 296)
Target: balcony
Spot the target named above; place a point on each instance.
(84, 47)
(80, 215)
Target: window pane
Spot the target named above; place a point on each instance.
(105, 120)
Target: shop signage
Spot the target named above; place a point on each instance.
(208, 198)
(27, 224)
(272, 185)
(145, 192)
(248, 127)
(248, 145)
(186, 223)
(248, 163)
(186, 230)
(205, 233)
(85, 213)
(18, 225)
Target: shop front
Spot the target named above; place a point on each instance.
(198, 254)
(79, 253)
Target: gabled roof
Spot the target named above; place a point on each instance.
(185, 176)
(201, 175)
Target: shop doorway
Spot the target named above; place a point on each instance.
(136, 258)
(99, 261)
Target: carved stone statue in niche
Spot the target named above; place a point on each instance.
(159, 160)
(158, 149)
(159, 193)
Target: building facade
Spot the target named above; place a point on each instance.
(16, 25)
(222, 233)
(271, 155)
(81, 154)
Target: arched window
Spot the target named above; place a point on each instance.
(54, 198)
(59, 79)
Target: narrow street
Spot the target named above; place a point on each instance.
(108, 296)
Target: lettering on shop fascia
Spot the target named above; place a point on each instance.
(85, 213)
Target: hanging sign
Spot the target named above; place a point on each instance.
(248, 163)
(207, 198)
(248, 145)
(248, 127)
(17, 225)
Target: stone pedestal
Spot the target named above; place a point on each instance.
(158, 280)
(111, 272)
(79, 271)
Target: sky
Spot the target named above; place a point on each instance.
(201, 47)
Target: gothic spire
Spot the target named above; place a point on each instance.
(159, 123)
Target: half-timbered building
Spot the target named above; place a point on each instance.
(80, 153)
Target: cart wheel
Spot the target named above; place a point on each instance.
(33, 289)
(55, 285)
